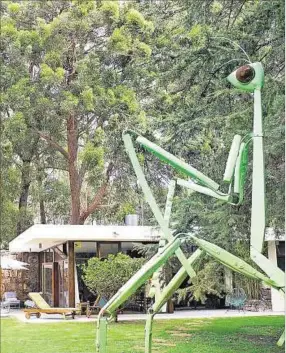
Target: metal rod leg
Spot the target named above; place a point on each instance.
(166, 294)
(148, 333)
(281, 339)
(101, 336)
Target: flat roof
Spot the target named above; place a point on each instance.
(40, 237)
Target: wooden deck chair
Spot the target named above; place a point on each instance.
(44, 307)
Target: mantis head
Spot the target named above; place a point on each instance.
(248, 77)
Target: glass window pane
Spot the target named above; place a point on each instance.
(108, 248)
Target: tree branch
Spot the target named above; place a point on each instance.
(96, 202)
(239, 11)
(53, 144)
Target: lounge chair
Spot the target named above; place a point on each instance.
(44, 307)
(97, 306)
(237, 299)
(4, 309)
(11, 298)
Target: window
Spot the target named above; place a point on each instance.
(104, 249)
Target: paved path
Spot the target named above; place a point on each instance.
(183, 314)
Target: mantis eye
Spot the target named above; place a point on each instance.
(245, 74)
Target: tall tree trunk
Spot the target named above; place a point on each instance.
(41, 197)
(22, 223)
(42, 212)
(72, 137)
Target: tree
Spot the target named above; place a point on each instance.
(72, 87)
(10, 176)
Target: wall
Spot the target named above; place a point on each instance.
(21, 281)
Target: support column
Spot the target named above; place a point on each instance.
(55, 285)
(277, 299)
(228, 280)
(40, 261)
(71, 274)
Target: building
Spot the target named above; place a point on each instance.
(58, 248)
(276, 253)
(55, 250)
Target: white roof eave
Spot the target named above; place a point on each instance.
(43, 236)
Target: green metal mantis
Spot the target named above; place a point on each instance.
(247, 78)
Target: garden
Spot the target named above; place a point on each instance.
(169, 114)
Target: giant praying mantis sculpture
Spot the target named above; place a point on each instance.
(247, 78)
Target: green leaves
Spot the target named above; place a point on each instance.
(53, 77)
(69, 103)
(135, 18)
(53, 59)
(93, 156)
(209, 281)
(198, 35)
(14, 8)
(16, 127)
(111, 9)
(125, 209)
(88, 99)
(105, 277)
(126, 97)
(216, 7)
(121, 40)
(143, 48)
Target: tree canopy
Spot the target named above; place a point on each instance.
(77, 73)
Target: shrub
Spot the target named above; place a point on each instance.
(106, 277)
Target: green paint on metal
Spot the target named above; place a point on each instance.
(155, 287)
(233, 262)
(257, 81)
(240, 171)
(232, 157)
(166, 294)
(141, 276)
(177, 163)
(281, 340)
(175, 282)
(204, 190)
(258, 184)
(101, 335)
(151, 201)
(272, 270)
(247, 78)
(148, 333)
(169, 201)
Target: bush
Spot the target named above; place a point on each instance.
(106, 277)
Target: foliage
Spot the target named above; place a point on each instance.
(209, 281)
(251, 287)
(106, 276)
(155, 66)
(61, 68)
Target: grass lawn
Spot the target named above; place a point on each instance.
(229, 335)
